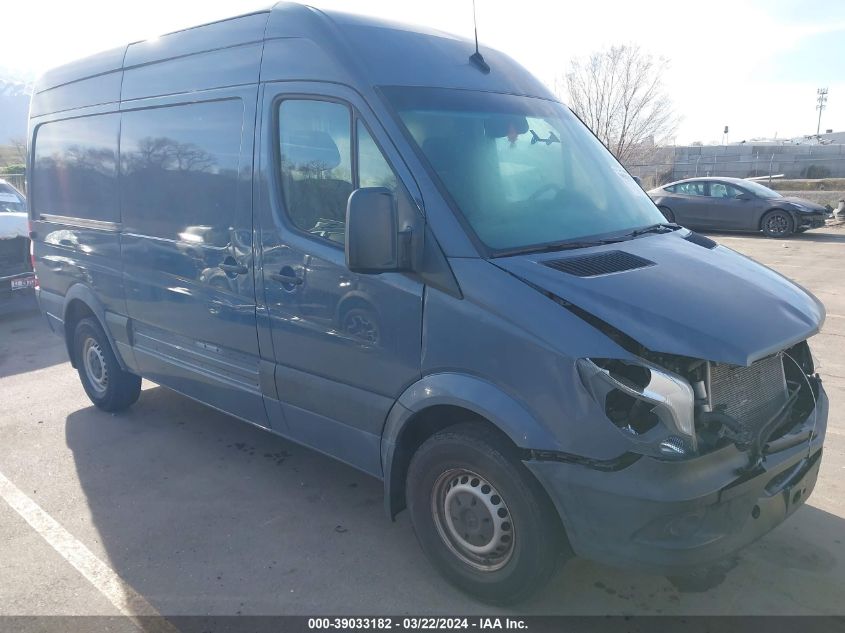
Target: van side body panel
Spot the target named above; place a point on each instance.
(74, 159)
(186, 195)
(94, 80)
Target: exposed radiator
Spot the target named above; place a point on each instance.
(751, 394)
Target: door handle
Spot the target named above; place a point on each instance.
(233, 269)
(282, 278)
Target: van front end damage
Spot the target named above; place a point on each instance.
(720, 455)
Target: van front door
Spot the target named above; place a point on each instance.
(345, 345)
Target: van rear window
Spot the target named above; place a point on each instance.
(75, 168)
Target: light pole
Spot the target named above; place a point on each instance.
(821, 101)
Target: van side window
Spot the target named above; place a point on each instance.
(179, 171)
(315, 147)
(75, 168)
(373, 168)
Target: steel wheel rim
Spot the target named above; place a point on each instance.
(473, 519)
(94, 362)
(777, 224)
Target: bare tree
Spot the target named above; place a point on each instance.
(18, 144)
(619, 94)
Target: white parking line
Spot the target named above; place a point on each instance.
(128, 601)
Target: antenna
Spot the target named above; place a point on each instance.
(477, 59)
(475, 27)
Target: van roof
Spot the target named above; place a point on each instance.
(299, 42)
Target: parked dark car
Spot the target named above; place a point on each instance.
(735, 204)
(16, 276)
(362, 239)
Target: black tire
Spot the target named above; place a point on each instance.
(777, 223)
(667, 213)
(107, 385)
(453, 461)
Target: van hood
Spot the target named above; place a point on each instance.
(690, 298)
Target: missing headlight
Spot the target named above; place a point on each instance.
(630, 414)
(646, 402)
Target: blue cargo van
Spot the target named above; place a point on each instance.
(370, 240)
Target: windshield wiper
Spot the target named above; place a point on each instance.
(660, 227)
(559, 246)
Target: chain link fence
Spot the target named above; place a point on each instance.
(762, 162)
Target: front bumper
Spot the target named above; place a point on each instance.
(666, 517)
(811, 221)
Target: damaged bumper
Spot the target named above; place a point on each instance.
(667, 516)
(811, 221)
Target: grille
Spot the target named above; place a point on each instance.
(751, 394)
(599, 264)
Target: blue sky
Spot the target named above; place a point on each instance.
(752, 65)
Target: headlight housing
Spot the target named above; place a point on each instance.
(654, 407)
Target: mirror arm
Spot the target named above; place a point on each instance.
(406, 247)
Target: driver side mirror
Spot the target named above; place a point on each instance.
(375, 243)
(743, 196)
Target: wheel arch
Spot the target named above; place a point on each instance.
(770, 209)
(80, 303)
(441, 400)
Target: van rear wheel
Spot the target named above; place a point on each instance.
(480, 516)
(107, 385)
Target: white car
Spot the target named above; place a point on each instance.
(15, 266)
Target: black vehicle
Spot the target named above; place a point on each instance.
(735, 204)
(16, 276)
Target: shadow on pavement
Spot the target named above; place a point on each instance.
(27, 344)
(204, 515)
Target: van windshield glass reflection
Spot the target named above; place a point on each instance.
(523, 172)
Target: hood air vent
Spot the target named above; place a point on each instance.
(598, 264)
(700, 240)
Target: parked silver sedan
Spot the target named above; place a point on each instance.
(734, 204)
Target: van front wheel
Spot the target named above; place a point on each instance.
(480, 517)
(107, 385)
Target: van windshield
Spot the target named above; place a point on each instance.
(523, 172)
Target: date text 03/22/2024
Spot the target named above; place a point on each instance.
(423, 623)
